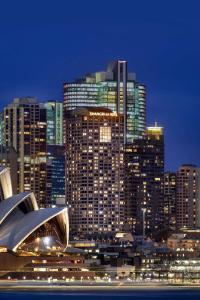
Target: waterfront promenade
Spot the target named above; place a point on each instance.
(92, 287)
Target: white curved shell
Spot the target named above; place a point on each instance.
(20, 215)
(7, 206)
(33, 220)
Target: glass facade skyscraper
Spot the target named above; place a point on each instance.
(54, 122)
(115, 89)
(55, 154)
(55, 175)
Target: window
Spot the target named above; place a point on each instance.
(105, 134)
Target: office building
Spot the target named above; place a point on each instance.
(2, 141)
(25, 131)
(170, 200)
(55, 154)
(95, 172)
(144, 182)
(188, 197)
(55, 175)
(54, 122)
(115, 89)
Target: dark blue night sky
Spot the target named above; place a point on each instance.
(43, 43)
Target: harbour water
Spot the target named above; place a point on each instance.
(167, 294)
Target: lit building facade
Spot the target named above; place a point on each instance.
(54, 122)
(188, 197)
(170, 199)
(25, 131)
(95, 171)
(115, 89)
(2, 140)
(144, 182)
(55, 175)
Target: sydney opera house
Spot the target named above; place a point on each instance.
(33, 241)
(26, 228)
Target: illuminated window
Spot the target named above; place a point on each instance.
(105, 134)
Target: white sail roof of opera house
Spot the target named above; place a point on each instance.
(9, 205)
(20, 216)
(29, 223)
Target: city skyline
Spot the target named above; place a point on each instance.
(99, 147)
(169, 165)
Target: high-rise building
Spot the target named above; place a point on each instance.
(115, 89)
(170, 199)
(95, 171)
(54, 122)
(55, 175)
(188, 197)
(55, 154)
(144, 182)
(25, 131)
(2, 140)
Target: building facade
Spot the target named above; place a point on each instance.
(170, 199)
(55, 175)
(55, 154)
(54, 122)
(2, 140)
(144, 182)
(95, 172)
(115, 89)
(25, 131)
(188, 197)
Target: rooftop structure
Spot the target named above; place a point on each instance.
(116, 89)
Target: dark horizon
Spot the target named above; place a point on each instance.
(45, 44)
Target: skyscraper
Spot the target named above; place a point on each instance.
(118, 90)
(188, 197)
(115, 89)
(55, 154)
(25, 131)
(144, 182)
(170, 199)
(54, 122)
(55, 175)
(2, 140)
(95, 171)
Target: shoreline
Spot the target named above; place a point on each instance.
(94, 289)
